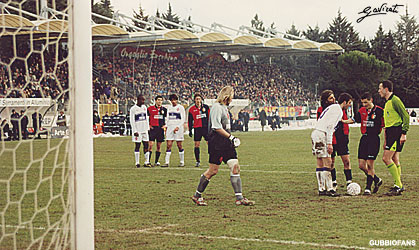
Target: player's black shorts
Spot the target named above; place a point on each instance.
(199, 133)
(369, 146)
(156, 134)
(341, 146)
(220, 149)
(393, 135)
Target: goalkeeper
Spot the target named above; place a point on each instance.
(221, 147)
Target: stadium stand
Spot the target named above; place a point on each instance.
(263, 84)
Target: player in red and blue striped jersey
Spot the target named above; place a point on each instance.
(157, 114)
(371, 118)
(198, 121)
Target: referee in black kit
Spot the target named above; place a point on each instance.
(221, 147)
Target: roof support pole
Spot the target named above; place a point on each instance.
(43, 10)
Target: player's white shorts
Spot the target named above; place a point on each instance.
(141, 137)
(319, 143)
(172, 136)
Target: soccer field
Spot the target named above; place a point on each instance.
(151, 208)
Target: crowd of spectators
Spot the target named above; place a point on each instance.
(43, 73)
(263, 84)
(34, 73)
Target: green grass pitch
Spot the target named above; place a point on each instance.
(151, 208)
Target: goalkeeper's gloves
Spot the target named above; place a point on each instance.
(234, 140)
(190, 133)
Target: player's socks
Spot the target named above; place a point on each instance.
(320, 181)
(168, 153)
(236, 182)
(147, 157)
(327, 177)
(182, 155)
(157, 156)
(395, 173)
(370, 179)
(399, 171)
(137, 157)
(348, 176)
(376, 179)
(197, 153)
(203, 183)
(333, 173)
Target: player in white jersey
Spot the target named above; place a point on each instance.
(175, 122)
(322, 137)
(140, 125)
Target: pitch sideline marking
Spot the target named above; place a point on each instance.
(284, 242)
(151, 230)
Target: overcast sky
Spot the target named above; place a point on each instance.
(301, 13)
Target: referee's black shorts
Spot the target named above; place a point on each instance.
(199, 133)
(156, 134)
(341, 146)
(393, 135)
(369, 146)
(220, 150)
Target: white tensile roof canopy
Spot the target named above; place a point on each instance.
(182, 38)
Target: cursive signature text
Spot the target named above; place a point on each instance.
(382, 10)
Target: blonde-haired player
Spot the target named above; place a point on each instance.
(222, 147)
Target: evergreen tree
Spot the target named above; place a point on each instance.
(189, 25)
(390, 54)
(170, 16)
(59, 5)
(405, 75)
(34, 7)
(382, 45)
(103, 8)
(140, 15)
(272, 28)
(293, 31)
(257, 24)
(342, 32)
(315, 34)
(29, 6)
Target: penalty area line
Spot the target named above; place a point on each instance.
(283, 242)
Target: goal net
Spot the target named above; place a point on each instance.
(46, 164)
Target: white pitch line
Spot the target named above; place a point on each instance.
(284, 242)
(145, 230)
(151, 230)
(228, 170)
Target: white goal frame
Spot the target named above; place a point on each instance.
(81, 133)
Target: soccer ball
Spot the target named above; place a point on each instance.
(353, 189)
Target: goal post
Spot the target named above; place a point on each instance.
(46, 183)
(81, 103)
